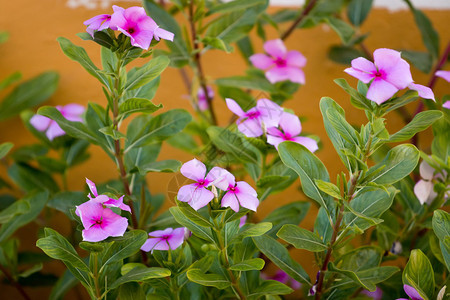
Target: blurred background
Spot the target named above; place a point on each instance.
(33, 27)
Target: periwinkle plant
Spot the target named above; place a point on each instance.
(211, 244)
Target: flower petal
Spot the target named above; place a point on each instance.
(161, 233)
(39, 122)
(201, 197)
(411, 292)
(364, 65)
(220, 178)
(422, 190)
(150, 244)
(177, 238)
(446, 104)
(270, 112)
(396, 69)
(193, 169)
(72, 112)
(381, 91)
(234, 107)
(115, 225)
(250, 128)
(290, 124)
(94, 234)
(309, 143)
(275, 48)
(443, 74)
(426, 171)
(274, 140)
(160, 33)
(424, 91)
(295, 59)
(278, 74)
(360, 75)
(230, 200)
(88, 211)
(92, 187)
(261, 61)
(247, 196)
(54, 131)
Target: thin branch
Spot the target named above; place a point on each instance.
(300, 18)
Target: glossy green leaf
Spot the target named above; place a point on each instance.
(131, 291)
(419, 123)
(147, 72)
(249, 230)
(328, 188)
(19, 207)
(358, 10)
(135, 105)
(441, 224)
(123, 247)
(164, 166)
(247, 83)
(341, 125)
(193, 215)
(200, 231)
(343, 54)
(278, 254)
(140, 274)
(29, 94)
(269, 287)
(214, 280)
(248, 265)
(301, 238)
(292, 213)
(344, 30)
(421, 60)
(419, 274)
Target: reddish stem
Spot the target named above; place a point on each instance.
(300, 18)
(15, 283)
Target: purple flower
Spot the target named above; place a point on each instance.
(377, 295)
(291, 128)
(202, 100)
(237, 193)
(99, 222)
(196, 194)
(280, 64)
(250, 123)
(411, 292)
(388, 74)
(283, 277)
(164, 239)
(136, 24)
(71, 112)
(105, 200)
(97, 23)
(443, 74)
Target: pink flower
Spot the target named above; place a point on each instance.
(291, 126)
(443, 74)
(250, 122)
(242, 221)
(424, 188)
(283, 277)
(105, 200)
(411, 292)
(202, 100)
(446, 104)
(388, 74)
(99, 222)
(377, 295)
(280, 64)
(238, 193)
(97, 23)
(196, 194)
(71, 112)
(136, 24)
(164, 239)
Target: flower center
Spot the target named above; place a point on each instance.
(280, 62)
(202, 183)
(379, 74)
(131, 30)
(253, 114)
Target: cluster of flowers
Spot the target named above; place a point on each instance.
(197, 194)
(268, 116)
(388, 74)
(132, 22)
(98, 220)
(280, 64)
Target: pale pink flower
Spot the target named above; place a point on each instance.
(105, 200)
(290, 131)
(446, 104)
(202, 100)
(280, 64)
(165, 239)
(443, 74)
(71, 112)
(250, 123)
(97, 23)
(136, 24)
(99, 222)
(388, 74)
(196, 194)
(424, 187)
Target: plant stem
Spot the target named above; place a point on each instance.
(15, 283)
(198, 63)
(97, 289)
(300, 18)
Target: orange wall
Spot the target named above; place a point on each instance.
(32, 48)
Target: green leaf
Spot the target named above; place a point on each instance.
(278, 254)
(131, 291)
(217, 44)
(247, 83)
(65, 201)
(344, 30)
(343, 54)
(370, 276)
(353, 276)
(14, 77)
(164, 166)
(4, 36)
(214, 280)
(36, 201)
(249, 230)
(328, 188)
(441, 224)
(193, 215)
(361, 259)
(91, 247)
(419, 274)
(63, 285)
(30, 179)
(19, 207)
(270, 287)
(249, 265)
(74, 129)
(301, 238)
(200, 231)
(57, 247)
(429, 35)
(292, 213)
(160, 127)
(421, 60)
(358, 10)
(5, 148)
(79, 55)
(341, 125)
(114, 134)
(140, 274)
(147, 72)
(232, 6)
(29, 94)
(420, 122)
(125, 246)
(135, 105)
(233, 144)
(309, 168)
(399, 162)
